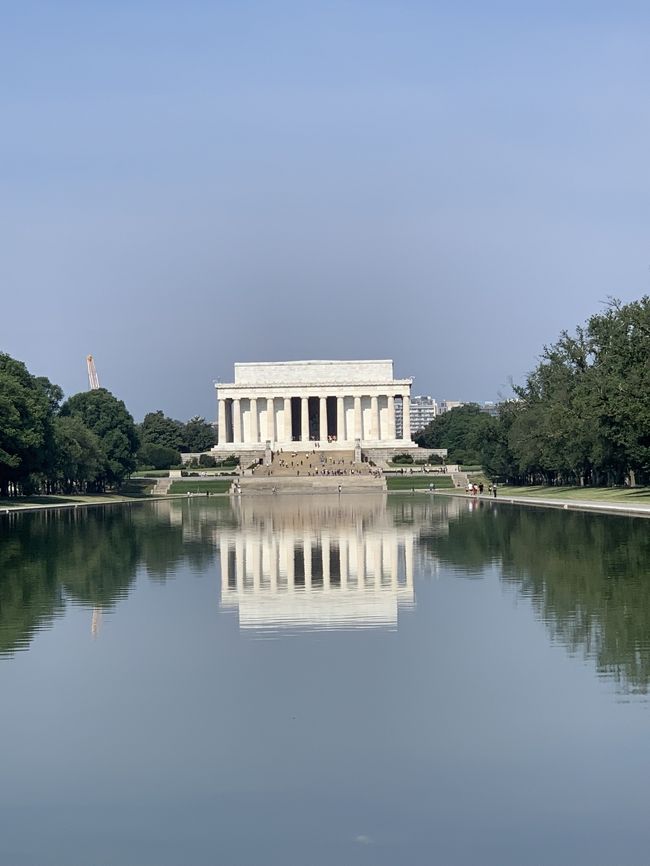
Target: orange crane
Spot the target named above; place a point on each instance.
(93, 378)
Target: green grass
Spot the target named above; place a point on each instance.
(203, 485)
(418, 482)
(137, 487)
(634, 495)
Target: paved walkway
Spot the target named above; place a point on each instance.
(636, 509)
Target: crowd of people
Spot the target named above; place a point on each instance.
(479, 489)
(314, 463)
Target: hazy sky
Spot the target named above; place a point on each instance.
(188, 184)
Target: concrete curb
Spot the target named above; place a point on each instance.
(562, 505)
(62, 506)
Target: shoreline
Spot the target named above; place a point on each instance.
(61, 506)
(592, 505)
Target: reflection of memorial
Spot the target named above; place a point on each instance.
(314, 564)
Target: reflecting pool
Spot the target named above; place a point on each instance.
(324, 680)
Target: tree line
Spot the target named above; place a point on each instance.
(88, 443)
(582, 416)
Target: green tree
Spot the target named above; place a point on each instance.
(79, 456)
(584, 411)
(158, 456)
(621, 397)
(158, 429)
(199, 435)
(462, 431)
(108, 418)
(26, 409)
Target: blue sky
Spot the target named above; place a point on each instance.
(187, 185)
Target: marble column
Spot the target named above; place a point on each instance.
(254, 432)
(408, 561)
(323, 419)
(406, 418)
(357, 418)
(273, 565)
(306, 558)
(304, 419)
(239, 563)
(236, 421)
(287, 420)
(361, 564)
(340, 420)
(256, 568)
(325, 546)
(291, 565)
(374, 419)
(391, 416)
(394, 563)
(223, 555)
(222, 428)
(343, 562)
(270, 420)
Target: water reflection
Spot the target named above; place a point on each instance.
(349, 562)
(332, 563)
(87, 557)
(587, 577)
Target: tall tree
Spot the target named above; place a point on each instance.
(108, 418)
(25, 414)
(462, 431)
(199, 435)
(158, 429)
(79, 456)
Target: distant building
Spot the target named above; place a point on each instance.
(448, 405)
(423, 410)
(490, 408)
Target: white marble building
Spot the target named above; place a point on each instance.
(334, 403)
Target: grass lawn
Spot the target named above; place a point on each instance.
(640, 495)
(203, 485)
(418, 482)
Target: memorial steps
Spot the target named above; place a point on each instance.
(310, 484)
(312, 471)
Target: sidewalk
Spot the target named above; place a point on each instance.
(629, 508)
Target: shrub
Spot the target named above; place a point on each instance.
(403, 458)
(229, 461)
(158, 456)
(207, 461)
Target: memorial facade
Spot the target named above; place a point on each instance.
(325, 404)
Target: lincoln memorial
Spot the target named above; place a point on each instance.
(336, 404)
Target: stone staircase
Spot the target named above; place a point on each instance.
(161, 487)
(315, 463)
(308, 484)
(311, 471)
(460, 479)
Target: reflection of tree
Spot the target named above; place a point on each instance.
(88, 555)
(30, 594)
(586, 575)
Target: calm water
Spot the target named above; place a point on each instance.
(319, 681)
